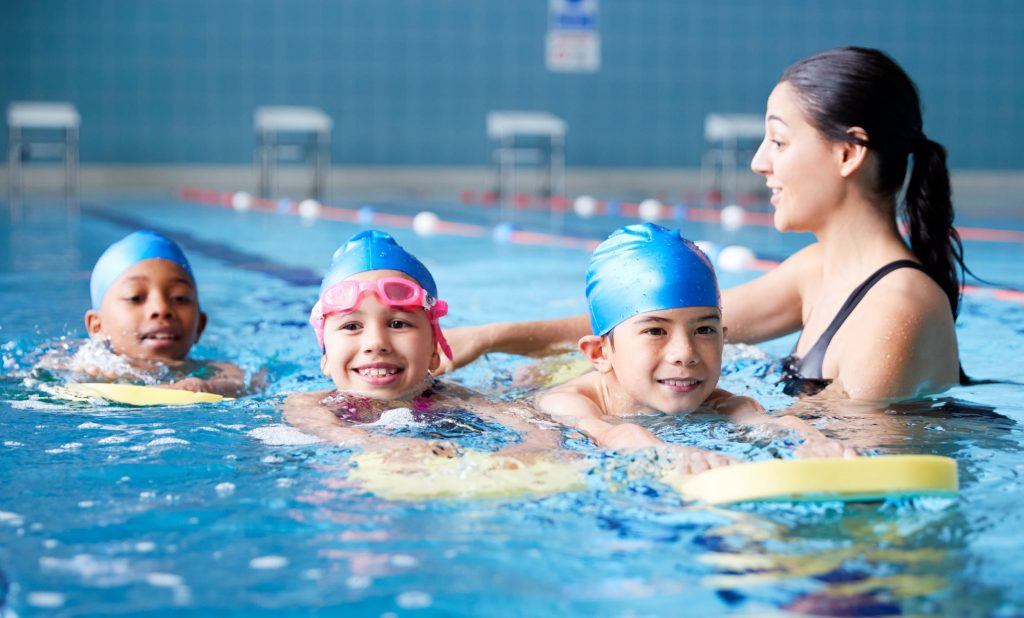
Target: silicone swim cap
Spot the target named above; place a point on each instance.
(127, 252)
(646, 267)
(375, 250)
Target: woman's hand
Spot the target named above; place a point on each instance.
(468, 343)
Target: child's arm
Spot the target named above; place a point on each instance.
(574, 409)
(306, 412)
(748, 412)
(226, 379)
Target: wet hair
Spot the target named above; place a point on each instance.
(858, 87)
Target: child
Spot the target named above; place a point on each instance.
(145, 304)
(657, 346)
(376, 321)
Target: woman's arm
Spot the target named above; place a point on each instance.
(771, 305)
(747, 411)
(527, 338)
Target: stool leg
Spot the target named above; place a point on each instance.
(14, 173)
(71, 170)
(263, 152)
(321, 155)
(557, 171)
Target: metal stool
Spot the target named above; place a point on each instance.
(728, 135)
(41, 128)
(305, 131)
(503, 127)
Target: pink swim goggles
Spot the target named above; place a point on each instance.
(394, 292)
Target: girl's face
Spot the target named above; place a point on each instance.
(378, 351)
(798, 163)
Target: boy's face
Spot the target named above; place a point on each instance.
(668, 360)
(150, 312)
(378, 351)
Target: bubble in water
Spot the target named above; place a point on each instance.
(358, 582)
(46, 599)
(414, 600)
(164, 580)
(263, 563)
(404, 561)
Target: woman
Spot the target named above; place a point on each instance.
(877, 316)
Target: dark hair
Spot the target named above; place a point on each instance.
(858, 87)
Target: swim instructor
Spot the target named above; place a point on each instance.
(876, 311)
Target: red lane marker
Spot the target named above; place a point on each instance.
(990, 235)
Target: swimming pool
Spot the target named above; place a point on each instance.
(201, 510)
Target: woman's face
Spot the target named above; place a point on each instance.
(798, 163)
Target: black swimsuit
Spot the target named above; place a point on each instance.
(803, 375)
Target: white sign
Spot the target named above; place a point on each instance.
(573, 44)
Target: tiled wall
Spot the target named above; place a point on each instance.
(408, 82)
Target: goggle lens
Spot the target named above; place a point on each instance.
(400, 291)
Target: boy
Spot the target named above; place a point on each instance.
(657, 346)
(146, 305)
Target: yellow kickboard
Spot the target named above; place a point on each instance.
(858, 479)
(471, 475)
(135, 395)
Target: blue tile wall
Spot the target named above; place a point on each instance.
(408, 82)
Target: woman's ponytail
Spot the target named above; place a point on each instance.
(928, 209)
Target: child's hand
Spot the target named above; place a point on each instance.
(98, 374)
(824, 447)
(628, 436)
(196, 385)
(691, 460)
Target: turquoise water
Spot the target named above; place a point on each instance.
(223, 509)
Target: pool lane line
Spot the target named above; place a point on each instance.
(224, 200)
(359, 216)
(711, 215)
(242, 260)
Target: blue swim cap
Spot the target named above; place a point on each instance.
(375, 250)
(127, 252)
(646, 267)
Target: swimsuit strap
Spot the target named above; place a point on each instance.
(811, 364)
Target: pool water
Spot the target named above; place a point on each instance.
(225, 510)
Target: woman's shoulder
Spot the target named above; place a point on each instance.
(909, 291)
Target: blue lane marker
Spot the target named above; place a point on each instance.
(292, 275)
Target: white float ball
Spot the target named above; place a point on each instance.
(735, 258)
(732, 217)
(241, 201)
(649, 210)
(709, 249)
(309, 209)
(425, 223)
(503, 232)
(585, 206)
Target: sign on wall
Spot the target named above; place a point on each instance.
(573, 44)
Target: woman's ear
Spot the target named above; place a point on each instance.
(323, 365)
(851, 155)
(596, 350)
(435, 361)
(93, 322)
